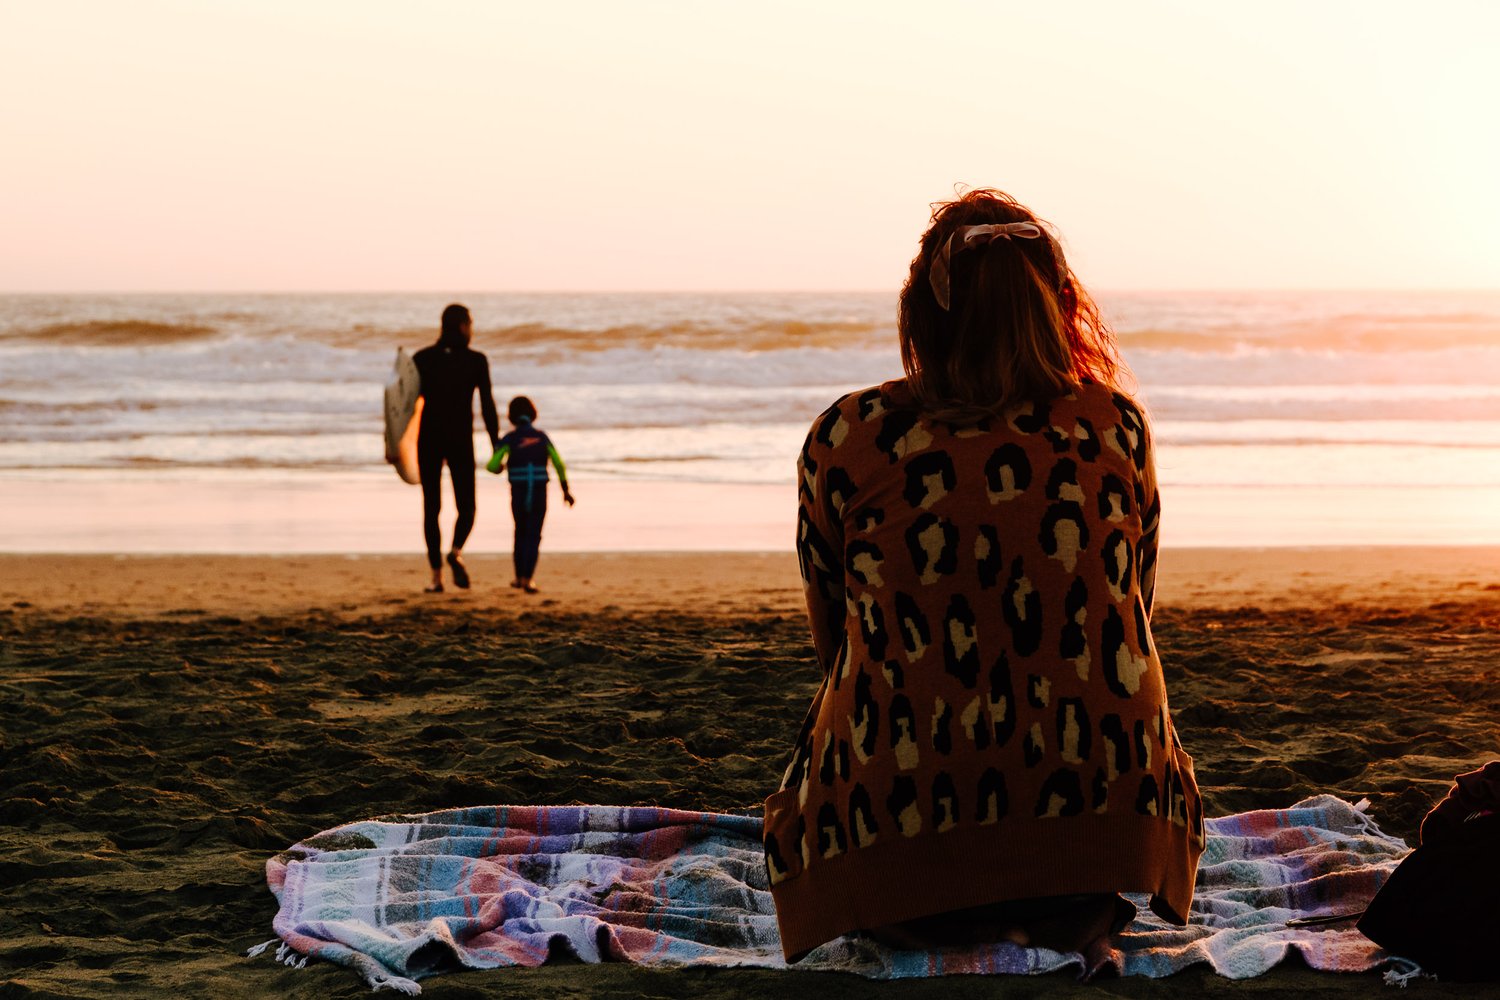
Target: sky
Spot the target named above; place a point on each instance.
(362, 145)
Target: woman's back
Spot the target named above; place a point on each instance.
(993, 720)
(451, 374)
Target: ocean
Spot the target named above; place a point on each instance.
(1305, 417)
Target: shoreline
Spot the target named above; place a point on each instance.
(251, 511)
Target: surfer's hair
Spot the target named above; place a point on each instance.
(1018, 325)
(456, 326)
(521, 409)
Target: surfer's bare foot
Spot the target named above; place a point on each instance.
(460, 571)
(516, 584)
(436, 588)
(531, 588)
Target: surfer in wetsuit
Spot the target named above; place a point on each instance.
(450, 373)
(528, 450)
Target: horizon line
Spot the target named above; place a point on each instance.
(1101, 290)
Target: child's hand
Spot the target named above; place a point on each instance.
(496, 463)
(568, 497)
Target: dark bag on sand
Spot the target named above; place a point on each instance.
(1441, 907)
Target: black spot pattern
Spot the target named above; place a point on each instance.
(1100, 790)
(1021, 607)
(944, 801)
(1062, 481)
(1074, 735)
(903, 797)
(1142, 629)
(942, 729)
(894, 429)
(1002, 701)
(1117, 653)
(932, 530)
(826, 769)
(831, 837)
(1088, 440)
(988, 561)
(856, 548)
(1117, 743)
(872, 626)
(961, 642)
(1114, 498)
(1118, 558)
(840, 488)
(1061, 794)
(1031, 750)
(861, 815)
(929, 478)
(776, 863)
(824, 431)
(1074, 642)
(1007, 472)
(916, 634)
(993, 802)
(1036, 690)
(1034, 419)
(1130, 433)
(903, 722)
(1148, 799)
(866, 716)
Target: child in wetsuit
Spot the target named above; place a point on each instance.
(528, 450)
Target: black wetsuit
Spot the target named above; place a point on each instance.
(450, 376)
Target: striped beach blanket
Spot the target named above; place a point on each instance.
(403, 897)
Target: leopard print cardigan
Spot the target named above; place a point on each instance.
(992, 723)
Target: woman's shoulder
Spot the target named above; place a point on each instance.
(871, 402)
(1109, 401)
(861, 406)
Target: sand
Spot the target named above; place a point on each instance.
(166, 723)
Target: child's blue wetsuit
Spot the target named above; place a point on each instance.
(528, 450)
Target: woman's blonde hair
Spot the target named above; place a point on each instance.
(1019, 325)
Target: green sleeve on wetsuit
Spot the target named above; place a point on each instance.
(498, 458)
(557, 462)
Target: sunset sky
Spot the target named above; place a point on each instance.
(450, 146)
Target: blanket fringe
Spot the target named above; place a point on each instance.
(1403, 971)
(260, 949)
(407, 986)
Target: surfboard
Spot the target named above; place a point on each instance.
(403, 417)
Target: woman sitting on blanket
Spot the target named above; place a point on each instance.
(990, 756)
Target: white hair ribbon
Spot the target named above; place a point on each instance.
(966, 238)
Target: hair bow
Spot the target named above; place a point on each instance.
(966, 238)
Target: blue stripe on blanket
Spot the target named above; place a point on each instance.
(403, 897)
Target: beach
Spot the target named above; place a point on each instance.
(169, 722)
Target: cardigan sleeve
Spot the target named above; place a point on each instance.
(820, 544)
(1150, 519)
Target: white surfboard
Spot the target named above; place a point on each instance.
(403, 417)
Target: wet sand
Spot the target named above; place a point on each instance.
(166, 723)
